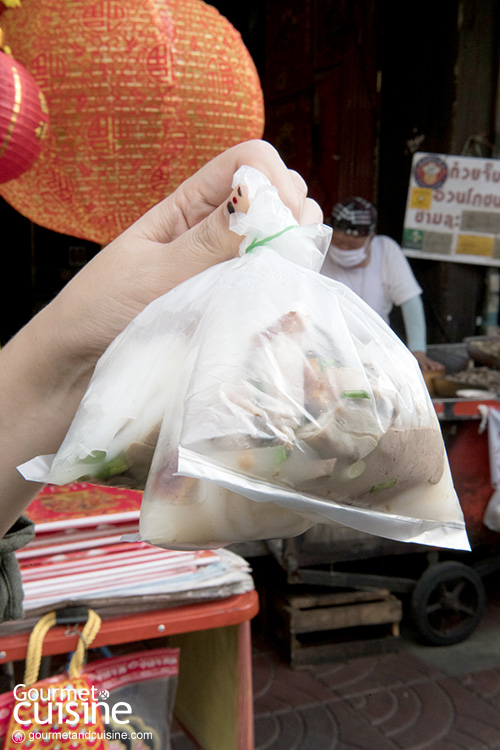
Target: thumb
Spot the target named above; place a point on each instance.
(209, 242)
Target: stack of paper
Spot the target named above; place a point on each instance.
(79, 556)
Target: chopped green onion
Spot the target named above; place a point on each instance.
(281, 454)
(384, 485)
(117, 465)
(355, 394)
(326, 362)
(94, 457)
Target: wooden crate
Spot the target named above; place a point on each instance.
(316, 627)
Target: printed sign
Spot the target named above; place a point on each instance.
(453, 209)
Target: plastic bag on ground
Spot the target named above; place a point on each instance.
(260, 398)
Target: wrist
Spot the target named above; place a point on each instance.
(43, 380)
(58, 366)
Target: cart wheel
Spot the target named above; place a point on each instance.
(447, 603)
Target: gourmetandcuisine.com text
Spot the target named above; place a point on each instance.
(89, 735)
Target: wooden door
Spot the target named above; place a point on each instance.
(321, 94)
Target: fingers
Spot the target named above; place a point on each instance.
(238, 200)
(202, 193)
(211, 241)
(207, 243)
(189, 231)
(425, 362)
(300, 187)
(311, 213)
(260, 155)
(178, 239)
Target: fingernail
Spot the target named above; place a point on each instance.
(238, 200)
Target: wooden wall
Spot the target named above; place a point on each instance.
(320, 88)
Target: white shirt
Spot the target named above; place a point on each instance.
(386, 281)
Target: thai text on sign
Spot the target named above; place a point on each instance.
(453, 209)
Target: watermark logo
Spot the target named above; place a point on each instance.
(67, 705)
(53, 714)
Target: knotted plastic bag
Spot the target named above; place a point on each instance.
(261, 397)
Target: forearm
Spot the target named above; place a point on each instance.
(414, 321)
(40, 394)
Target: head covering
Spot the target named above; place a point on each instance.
(355, 216)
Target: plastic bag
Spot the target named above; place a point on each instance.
(491, 419)
(260, 398)
(146, 682)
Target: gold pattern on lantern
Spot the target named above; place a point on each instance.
(18, 95)
(41, 130)
(43, 103)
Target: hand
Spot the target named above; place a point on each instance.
(180, 237)
(426, 363)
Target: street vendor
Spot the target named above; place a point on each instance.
(375, 268)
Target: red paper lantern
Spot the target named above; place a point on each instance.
(23, 118)
(141, 95)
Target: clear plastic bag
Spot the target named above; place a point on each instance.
(260, 398)
(491, 421)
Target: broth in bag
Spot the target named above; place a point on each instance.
(260, 398)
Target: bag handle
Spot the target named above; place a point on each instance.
(35, 645)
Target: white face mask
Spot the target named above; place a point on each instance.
(348, 258)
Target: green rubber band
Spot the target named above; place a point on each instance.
(266, 240)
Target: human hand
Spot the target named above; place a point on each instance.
(180, 237)
(426, 363)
